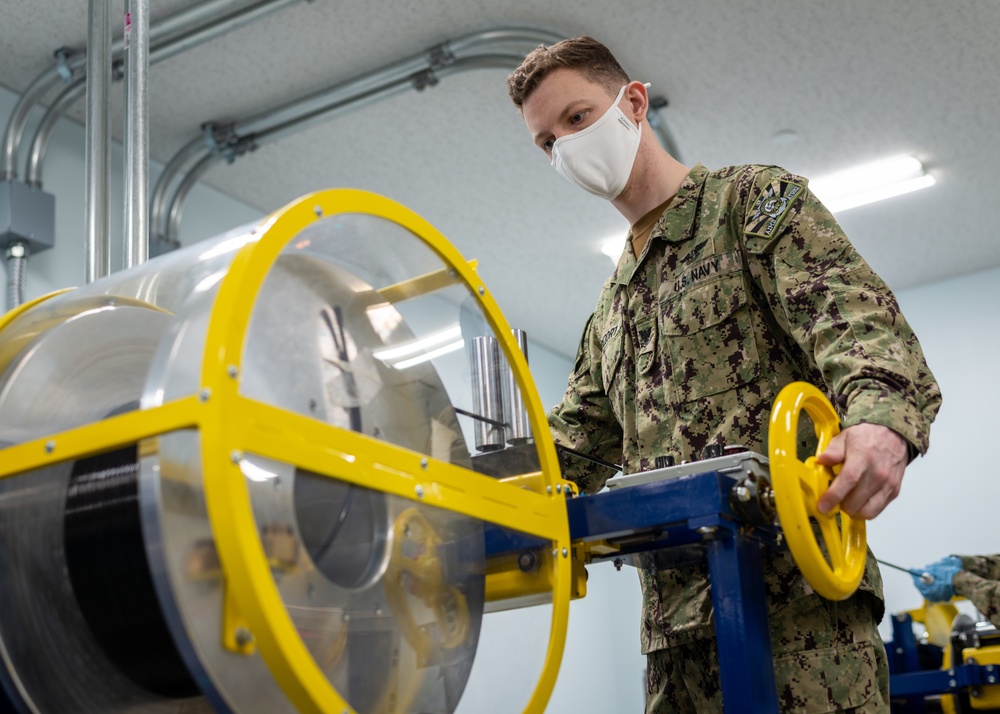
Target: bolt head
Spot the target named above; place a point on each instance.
(233, 371)
(243, 636)
(236, 456)
(50, 446)
(204, 394)
(419, 491)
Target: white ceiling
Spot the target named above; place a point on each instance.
(854, 80)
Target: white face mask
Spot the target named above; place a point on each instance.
(599, 158)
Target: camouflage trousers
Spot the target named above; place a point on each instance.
(828, 657)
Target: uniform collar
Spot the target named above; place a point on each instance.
(674, 225)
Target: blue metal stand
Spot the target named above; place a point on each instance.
(676, 512)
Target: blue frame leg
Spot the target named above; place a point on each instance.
(741, 625)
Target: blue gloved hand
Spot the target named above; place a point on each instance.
(943, 572)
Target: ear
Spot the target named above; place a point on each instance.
(639, 99)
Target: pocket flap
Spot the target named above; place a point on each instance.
(703, 306)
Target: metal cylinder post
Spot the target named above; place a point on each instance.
(519, 427)
(98, 200)
(487, 397)
(136, 233)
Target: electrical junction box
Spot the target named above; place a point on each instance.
(27, 215)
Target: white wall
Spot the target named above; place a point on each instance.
(949, 497)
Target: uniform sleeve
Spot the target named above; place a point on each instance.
(985, 566)
(584, 420)
(979, 583)
(833, 305)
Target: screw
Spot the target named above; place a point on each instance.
(204, 394)
(233, 371)
(423, 464)
(742, 494)
(558, 488)
(565, 552)
(555, 552)
(236, 456)
(318, 211)
(244, 637)
(50, 446)
(619, 562)
(420, 491)
(991, 679)
(952, 683)
(482, 290)
(548, 489)
(951, 672)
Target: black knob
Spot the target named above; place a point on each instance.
(663, 462)
(712, 451)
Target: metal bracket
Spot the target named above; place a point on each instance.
(66, 73)
(222, 140)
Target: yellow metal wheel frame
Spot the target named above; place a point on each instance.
(798, 486)
(232, 424)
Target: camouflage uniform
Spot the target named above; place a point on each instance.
(980, 582)
(747, 283)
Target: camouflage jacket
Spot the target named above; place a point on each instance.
(747, 283)
(980, 582)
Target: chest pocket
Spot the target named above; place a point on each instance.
(707, 335)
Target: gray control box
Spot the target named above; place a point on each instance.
(27, 215)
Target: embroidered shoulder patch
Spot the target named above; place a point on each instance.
(770, 208)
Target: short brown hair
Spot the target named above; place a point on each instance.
(582, 53)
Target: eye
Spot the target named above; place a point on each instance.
(577, 118)
(547, 144)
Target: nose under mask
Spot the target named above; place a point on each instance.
(599, 158)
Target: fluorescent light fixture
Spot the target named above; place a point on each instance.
(871, 182)
(613, 247)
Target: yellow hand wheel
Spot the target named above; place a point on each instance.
(415, 571)
(798, 486)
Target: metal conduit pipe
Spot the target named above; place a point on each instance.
(173, 32)
(159, 208)
(17, 270)
(491, 49)
(97, 254)
(207, 161)
(169, 45)
(19, 119)
(43, 134)
(135, 250)
(314, 105)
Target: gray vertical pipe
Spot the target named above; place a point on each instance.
(96, 254)
(136, 234)
(487, 394)
(514, 410)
